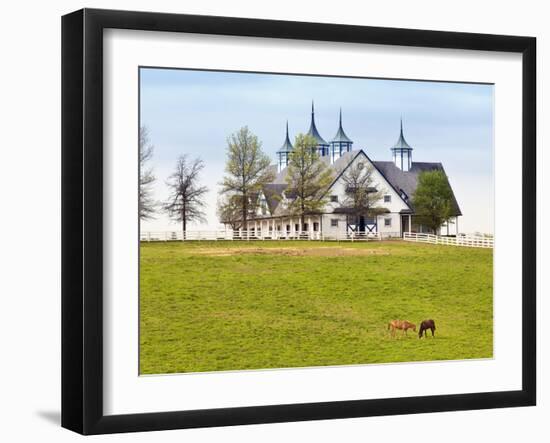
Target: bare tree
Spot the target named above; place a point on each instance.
(248, 169)
(146, 177)
(361, 194)
(308, 178)
(186, 201)
(230, 211)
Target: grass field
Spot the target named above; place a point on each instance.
(211, 306)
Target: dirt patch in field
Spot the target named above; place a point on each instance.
(292, 252)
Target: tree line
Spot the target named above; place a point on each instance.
(248, 170)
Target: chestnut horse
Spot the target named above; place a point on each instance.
(404, 325)
(424, 326)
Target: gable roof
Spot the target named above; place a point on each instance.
(402, 182)
(344, 162)
(273, 193)
(406, 181)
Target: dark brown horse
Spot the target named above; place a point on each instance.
(424, 326)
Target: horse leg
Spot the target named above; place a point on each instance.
(433, 331)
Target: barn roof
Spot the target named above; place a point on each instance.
(404, 182)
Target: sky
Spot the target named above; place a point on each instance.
(194, 112)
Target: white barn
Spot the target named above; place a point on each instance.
(396, 180)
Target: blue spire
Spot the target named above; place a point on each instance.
(401, 142)
(287, 145)
(340, 134)
(313, 129)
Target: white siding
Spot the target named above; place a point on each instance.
(396, 205)
(394, 229)
(329, 230)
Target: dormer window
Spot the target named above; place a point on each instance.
(263, 206)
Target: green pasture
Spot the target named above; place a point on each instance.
(215, 306)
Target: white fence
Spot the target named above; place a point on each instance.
(460, 240)
(469, 241)
(251, 235)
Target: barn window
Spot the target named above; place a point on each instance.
(334, 198)
(387, 222)
(315, 226)
(387, 198)
(334, 222)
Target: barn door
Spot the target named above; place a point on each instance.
(370, 225)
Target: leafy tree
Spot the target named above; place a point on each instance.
(361, 195)
(146, 177)
(432, 199)
(308, 179)
(247, 169)
(186, 201)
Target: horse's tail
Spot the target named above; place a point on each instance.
(433, 323)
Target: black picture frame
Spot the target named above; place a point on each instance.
(82, 218)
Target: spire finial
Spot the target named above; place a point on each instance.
(312, 108)
(287, 128)
(401, 125)
(340, 116)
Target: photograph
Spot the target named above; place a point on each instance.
(295, 221)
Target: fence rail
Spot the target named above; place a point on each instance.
(149, 236)
(460, 240)
(468, 241)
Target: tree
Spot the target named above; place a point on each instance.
(361, 195)
(432, 199)
(247, 169)
(186, 201)
(229, 211)
(146, 177)
(308, 178)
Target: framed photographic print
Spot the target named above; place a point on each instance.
(269, 221)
